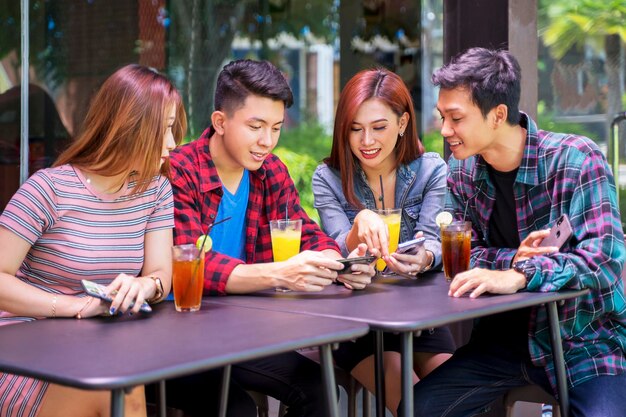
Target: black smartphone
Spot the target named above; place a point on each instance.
(411, 246)
(348, 262)
(560, 233)
(99, 291)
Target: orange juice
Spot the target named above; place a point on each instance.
(285, 244)
(392, 219)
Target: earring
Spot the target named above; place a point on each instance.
(401, 134)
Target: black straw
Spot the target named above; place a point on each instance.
(382, 191)
(207, 233)
(287, 207)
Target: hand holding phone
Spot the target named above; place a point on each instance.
(560, 233)
(99, 291)
(411, 246)
(348, 262)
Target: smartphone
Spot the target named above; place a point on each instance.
(99, 291)
(411, 246)
(348, 262)
(560, 233)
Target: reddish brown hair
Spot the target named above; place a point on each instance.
(125, 125)
(388, 87)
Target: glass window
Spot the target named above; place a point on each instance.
(582, 75)
(318, 44)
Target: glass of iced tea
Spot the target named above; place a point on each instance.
(285, 240)
(187, 277)
(392, 218)
(456, 239)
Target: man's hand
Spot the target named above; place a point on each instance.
(361, 274)
(478, 281)
(529, 247)
(307, 271)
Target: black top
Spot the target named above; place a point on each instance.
(508, 329)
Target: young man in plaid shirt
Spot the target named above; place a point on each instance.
(230, 172)
(515, 181)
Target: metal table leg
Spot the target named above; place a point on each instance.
(161, 402)
(117, 402)
(559, 361)
(407, 375)
(224, 391)
(379, 373)
(326, 360)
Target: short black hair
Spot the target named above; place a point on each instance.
(492, 76)
(245, 77)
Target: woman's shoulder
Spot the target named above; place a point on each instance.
(53, 177)
(433, 158)
(428, 161)
(324, 171)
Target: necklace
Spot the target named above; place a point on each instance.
(388, 185)
(111, 190)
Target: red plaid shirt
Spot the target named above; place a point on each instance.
(197, 195)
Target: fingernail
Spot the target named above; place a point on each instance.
(112, 310)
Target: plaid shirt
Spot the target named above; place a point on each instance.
(558, 174)
(197, 195)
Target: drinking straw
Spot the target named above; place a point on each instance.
(207, 234)
(287, 207)
(382, 191)
(465, 211)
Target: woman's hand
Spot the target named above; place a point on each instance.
(129, 293)
(372, 230)
(90, 307)
(410, 263)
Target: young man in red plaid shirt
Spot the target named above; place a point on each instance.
(230, 172)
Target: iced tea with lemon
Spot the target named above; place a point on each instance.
(456, 243)
(187, 277)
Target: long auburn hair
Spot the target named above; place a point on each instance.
(388, 87)
(125, 125)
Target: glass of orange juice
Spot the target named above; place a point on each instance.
(392, 218)
(187, 277)
(285, 240)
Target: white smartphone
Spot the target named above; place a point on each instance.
(99, 291)
(560, 233)
(411, 246)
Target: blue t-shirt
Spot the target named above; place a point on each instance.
(229, 237)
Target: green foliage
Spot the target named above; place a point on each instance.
(433, 142)
(302, 148)
(572, 23)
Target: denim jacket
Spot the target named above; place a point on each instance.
(420, 191)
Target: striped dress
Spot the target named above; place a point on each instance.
(75, 233)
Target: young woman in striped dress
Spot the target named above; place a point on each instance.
(103, 212)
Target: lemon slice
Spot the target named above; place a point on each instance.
(443, 218)
(208, 243)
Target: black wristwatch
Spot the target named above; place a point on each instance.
(525, 267)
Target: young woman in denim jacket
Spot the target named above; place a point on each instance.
(375, 138)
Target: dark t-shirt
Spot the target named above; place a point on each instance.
(508, 329)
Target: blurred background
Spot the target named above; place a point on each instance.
(572, 54)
